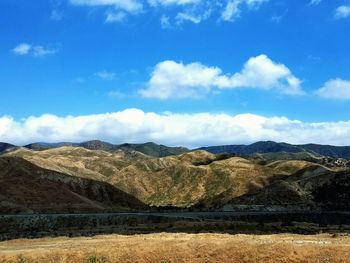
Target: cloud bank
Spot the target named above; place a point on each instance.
(191, 130)
(170, 79)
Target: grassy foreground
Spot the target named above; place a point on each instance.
(166, 248)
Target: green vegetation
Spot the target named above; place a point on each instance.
(97, 259)
(21, 259)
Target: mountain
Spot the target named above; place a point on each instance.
(149, 148)
(153, 149)
(27, 188)
(5, 147)
(39, 146)
(269, 148)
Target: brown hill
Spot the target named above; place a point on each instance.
(27, 188)
(313, 186)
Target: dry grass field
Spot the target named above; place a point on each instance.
(166, 248)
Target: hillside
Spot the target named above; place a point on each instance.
(273, 150)
(312, 186)
(27, 188)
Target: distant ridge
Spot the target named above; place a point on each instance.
(270, 147)
(267, 149)
(149, 148)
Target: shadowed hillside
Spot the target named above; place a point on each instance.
(313, 186)
(6, 146)
(27, 188)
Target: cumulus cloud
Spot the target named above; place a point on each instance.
(35, 50)
(337, 89)
(170, 79)
(342, 12)
(192, 130)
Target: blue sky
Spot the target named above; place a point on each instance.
(265, 58)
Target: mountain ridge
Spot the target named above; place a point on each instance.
(266, 147)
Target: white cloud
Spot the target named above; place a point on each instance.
(195, 11)
(127, 5)
(170, 79)
(172, 2)
(105, 75)
(165, 22)
(56, 15)
(233, 8)
(262, 72)
(315, 2)
(337, 89)
(342, 12)
(22, 49)
(37, 51)
(115, 17)
(196, 19)
(192, 130)
(40, 51)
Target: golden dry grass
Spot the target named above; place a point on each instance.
(182, 248)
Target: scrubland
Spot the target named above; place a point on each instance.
(179, 247)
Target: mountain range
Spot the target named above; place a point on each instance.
(100, 177)
(268, 148)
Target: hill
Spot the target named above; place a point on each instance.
(314, 186)
(27, 188)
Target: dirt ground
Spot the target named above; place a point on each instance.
(167, 248)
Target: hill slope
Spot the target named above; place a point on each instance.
(313, 186)
(27, 188)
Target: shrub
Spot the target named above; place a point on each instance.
(96, 259)
(21, 259)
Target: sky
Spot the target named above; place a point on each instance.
(177, 72)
